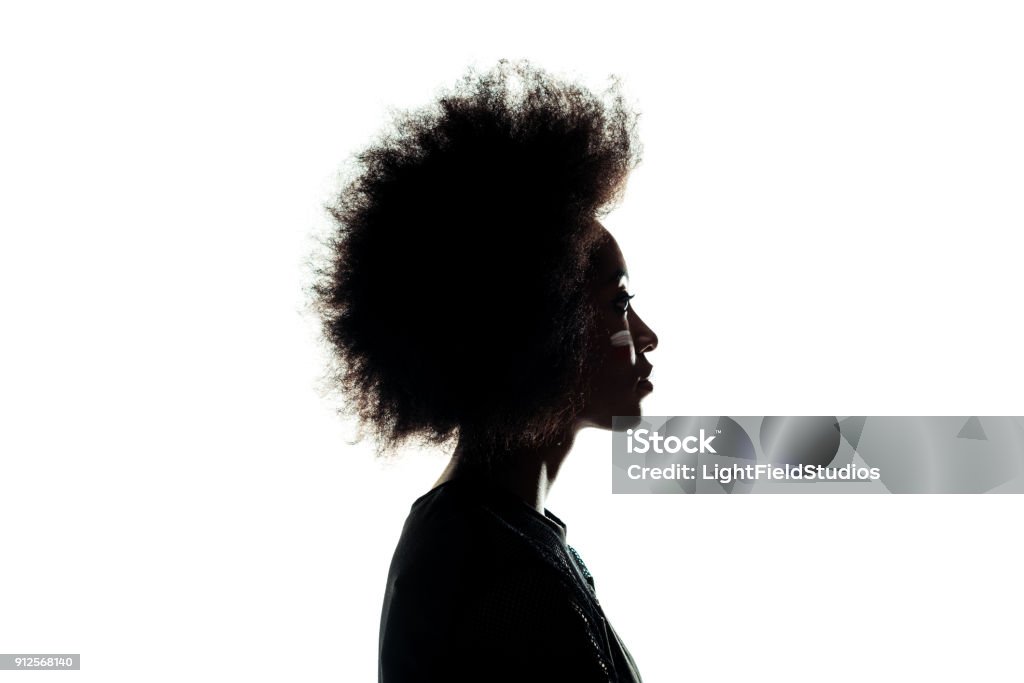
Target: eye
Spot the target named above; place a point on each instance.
(622, 301)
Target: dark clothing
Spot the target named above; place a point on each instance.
(482, 587)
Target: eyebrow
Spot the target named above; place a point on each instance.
(619, 273)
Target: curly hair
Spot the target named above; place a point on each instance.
(452, 295)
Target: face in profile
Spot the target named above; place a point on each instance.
(621, 373)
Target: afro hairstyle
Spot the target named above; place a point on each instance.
(452, 290)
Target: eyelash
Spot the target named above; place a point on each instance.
(623, 300)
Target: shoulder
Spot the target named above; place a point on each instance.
(459, 523)
(469, 587)
(452, 544)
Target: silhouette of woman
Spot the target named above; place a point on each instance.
(471, 295)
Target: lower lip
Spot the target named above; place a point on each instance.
(645, 385)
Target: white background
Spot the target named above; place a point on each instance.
(826, 221)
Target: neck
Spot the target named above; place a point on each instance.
(527, 473)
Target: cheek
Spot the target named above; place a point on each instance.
(622, 350)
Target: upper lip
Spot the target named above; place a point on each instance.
(645, 374)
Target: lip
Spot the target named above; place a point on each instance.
(644, 386)
(643, 370)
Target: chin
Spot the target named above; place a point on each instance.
(622, 424)
(629, 416)
(622, 406)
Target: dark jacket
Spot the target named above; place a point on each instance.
(482, 587)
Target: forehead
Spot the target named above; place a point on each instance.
(609, 266)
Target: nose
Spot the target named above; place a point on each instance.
(644, 338)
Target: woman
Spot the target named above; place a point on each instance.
(473, 295)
